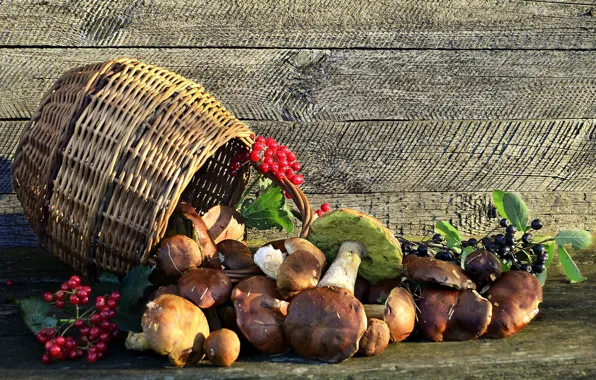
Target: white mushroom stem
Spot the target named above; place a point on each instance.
(137, 342)
(269, 259)
(342, 273)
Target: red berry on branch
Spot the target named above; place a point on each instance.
(100, 355)
(269, 153)
(65, 287)
(105, 314)
(111, 314)
(111, 304)
(94, 333)
(84, 301)
(264, 168)
(319, 212)
(106, 326)
(291, 156)
(100, 302)
(274, 168)
(283, 148)
(80, 352)
(60, 296)
(296, 166)
(260, 139)
(72, 284)
(60, 341)
(115, 296)
(55, 350)
(270, 141)
(41, 338)
(257, 146)
(298, 179)
(48, 297)
(269, 160)
(91, 357)
(105, 337)
(95, 318)
(70, 345)
(280, 154)
(76, 279)
(46, 359)
(81, 293)
(101, 347)
(60, 304)
(48, 345)
(84, 331)
(289, 172)
(280, 175)
(50, 332)
(325, 207)
(282, 162)
(87, 289)
(79, 323)
(72, 354)
(287, 195)
(255, 156)
(9, 283)
(73, 299)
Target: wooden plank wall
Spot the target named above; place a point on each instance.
(410, 110)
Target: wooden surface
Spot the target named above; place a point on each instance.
(559, 343)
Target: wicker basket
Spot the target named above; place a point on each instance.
(111, 149)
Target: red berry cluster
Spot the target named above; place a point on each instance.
(94, 325)
(325, 207)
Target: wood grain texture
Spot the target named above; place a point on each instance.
(342, 85)
(451, 24)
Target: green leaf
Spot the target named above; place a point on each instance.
(516, 211)
(452, 236)
(35, 314)
(569, 267)
(464, 255)
(268, 211)
(578, 239)
(498, 201)
(541, 277)
(550, 250)
(264, 184)
(108, 278)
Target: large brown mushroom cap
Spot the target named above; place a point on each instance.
(259, 323)
(325, 324)
(483, 267)
(300, 270)
(428, 269)
(515, 298)
(375, 338)
(205, 287)
(447, 314)
(234, 254)
(224, 222)
(176, 255)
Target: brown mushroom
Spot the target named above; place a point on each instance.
(483, 267)
(515, 297)
(278, 244)
(448, 314)
(205, 287)
(428, 269)
(398, 312)
(172, 326)
(222, 347)
(234, 254)
(375, 338)
(259, 322)
(269, 259)
(224, 222)
(176, 255)
(300, 270)
(200, 234)
(294, 244)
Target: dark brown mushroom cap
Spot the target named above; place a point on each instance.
(224, 222)
(325, 324)
(375, 338)
(300, 270)
(200, 234)
(483, 267)
(260, 324)
(428, 269)
(234, 254)
(400, 314)
(176, 255)
(205, 287)
(515, 297)
(294, 244)
(446, 314)
(378, 293)
(222, 347)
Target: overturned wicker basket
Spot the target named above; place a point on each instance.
(110, 151)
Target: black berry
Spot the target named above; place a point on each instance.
(492, 212)
(407, 248)
(437, 238)
(542, 258)
(538, 249)
(503, 222)
(472, 242)
(536, 224)
(503, 250)
(445, 256)
(510, 240)
(500, 240)
(527, 238)
(526, 267)
(538, 268)
(422, 251)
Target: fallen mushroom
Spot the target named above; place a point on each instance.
(234, 254)
(398, 312)
(176, 255)
(269, 260)
(222, 347)
(300, 270)
(448, 314)
(172, 326)
(383, 250)
(224, 222)
(483, 267)
(260, 322)
(205, 287)
(326, 323)
(428, 269)
(198, 232)
(515, 297)
(375, 338)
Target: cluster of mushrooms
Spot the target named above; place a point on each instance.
(342, 291)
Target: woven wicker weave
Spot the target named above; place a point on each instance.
(111, 149)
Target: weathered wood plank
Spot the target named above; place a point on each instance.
(342, 85)
(414, 156)
(458, 24)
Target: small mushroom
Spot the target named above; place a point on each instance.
(222, 347)
(398, 312)
(515, 297)
(428, 269)
(205, 287)
(224, 222)
(483, 267)
(448, 314)
(199, 233)
(384, 254)
(176, 255)
(294, 244)
(375, 338)
(300, 270)
(269, 259)
(259, 321)
(172, 326)
(234, 254)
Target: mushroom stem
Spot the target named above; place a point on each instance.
(374, 311)
(275, 304)
(137, 342)
(342, 273)
(212, 318)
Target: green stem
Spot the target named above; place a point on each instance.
(72, 321)
(247, 191)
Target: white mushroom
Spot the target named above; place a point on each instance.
(269, 259)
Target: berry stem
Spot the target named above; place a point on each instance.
(247, 191)
(71, 322)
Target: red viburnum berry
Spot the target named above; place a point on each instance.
(49, 344)
(95, 318)
(291, 156)
(64, 287)
(87, 289)
(105, 337)
(298, 179)
(260, 139)
(274, 168)
(104, 315)
(60, 341)
(55, 350)
(257, 146)
(46, 359)
(84, 301)
(84, 331)
(72, 354)
(296, 166)
(100, 355)
(280, 154)
(106, 326)
(111, 304)
(73, 299)
(280, 175)
(60, 296)
(76, 279)
(9, 283)
(101, 347)
(100, 302)
(325, 207)
(264, 168)
(81, 293)
(319, 212)
(268, 153)
(60, 304)
(269, 161)
(92, 356)
(79, 323)
(48, 297)
(70, 345)
(72, 284)
(255, 156)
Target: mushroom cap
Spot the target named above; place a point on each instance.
(278, 244)
(483, 267)
(515, 297)
(200, 234)
(378, 293)
(400, 314)
(261, 325)
(222, 347)
(224, 222)
(448, 314)
(325, 324)
(234, 254)
(205, 287)
(300, 270)
(383, 250)
(177, 254)
(375, 338)
(294, 244)
(428, 269)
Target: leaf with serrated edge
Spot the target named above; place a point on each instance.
(268, 211)
(569, 268)
(516, 211)
(35, 314)
(578, 239)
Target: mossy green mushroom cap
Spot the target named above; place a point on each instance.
(384, 254)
